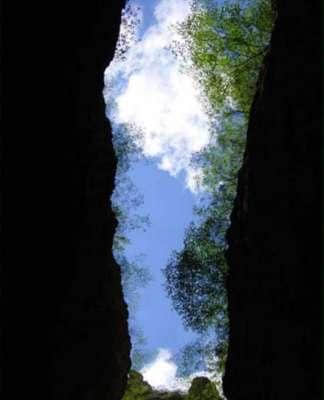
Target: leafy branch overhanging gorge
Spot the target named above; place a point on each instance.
(222, 47)
(126, 197)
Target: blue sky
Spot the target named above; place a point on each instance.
(169, 205)
(152, 93)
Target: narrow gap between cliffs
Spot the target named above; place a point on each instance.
(178, 94)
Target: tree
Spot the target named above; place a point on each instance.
(206, 353)
(195, 286)
(126, 198)
(223, 48)
(134, 277)
(196, 275)
(125, 201)
(130, 21)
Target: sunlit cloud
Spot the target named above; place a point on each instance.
(161, 374)
(159, 98)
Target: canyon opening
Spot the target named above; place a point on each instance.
(163, 228)
(178, 94)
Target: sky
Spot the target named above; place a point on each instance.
(153, 93)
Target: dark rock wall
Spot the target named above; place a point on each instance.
(274, 239)
(66, 331)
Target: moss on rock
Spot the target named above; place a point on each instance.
(201, 389)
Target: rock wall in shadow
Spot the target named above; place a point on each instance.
(274, 237)
(66, 334)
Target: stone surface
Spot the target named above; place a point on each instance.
(66, 333)
(201, 388)
(274, 256)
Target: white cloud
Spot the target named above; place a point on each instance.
(161, 373)
(159, 98)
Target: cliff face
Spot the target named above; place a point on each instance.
(274, 237)
(66, 334)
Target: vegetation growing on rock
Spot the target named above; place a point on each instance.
(126, 198)
(201, 389)
(223, 48)
(137, 388)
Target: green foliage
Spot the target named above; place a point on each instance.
(125, 201)
(221, 160)
(222, 47)
(140, 355)
(203, 389)
(135, 275)
(130, 21)
(226, 46)
(126, 198)
(195, 286)
(207, 352)
(137, 389)
(196, 275)
(166, 396)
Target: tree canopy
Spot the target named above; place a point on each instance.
(126, 198)
(223, 48)
(130, 21)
